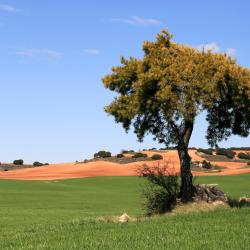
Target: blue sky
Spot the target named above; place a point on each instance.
(54, 53)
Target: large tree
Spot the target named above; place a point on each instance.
(163, 92)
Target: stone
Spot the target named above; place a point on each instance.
(209, 193)
(244, 200)
(124, 218)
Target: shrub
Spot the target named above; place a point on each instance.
(124, 151)
(119, 155)
(243, 202)
(227, 152)
(139, 155)
(205, 151)
(156, 157)
(161, 190)
(18, 162)
(244, 156)
(37, 164)
(206, 164)
(102, 154)
(153, 149)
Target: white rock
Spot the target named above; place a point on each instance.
(124, 218)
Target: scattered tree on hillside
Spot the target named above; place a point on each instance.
(163, 92)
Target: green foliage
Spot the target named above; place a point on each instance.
(119, 155)
(238, 203)
(156, 157)
(102, 154)
(163, 92)
(206, 164)
(244, 156)
(205, 151)
(139, 155)
(162, 189)
(227, 152)
(18, 162)
(37, 164)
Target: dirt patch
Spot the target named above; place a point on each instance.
(105, 168)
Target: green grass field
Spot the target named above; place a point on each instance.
(62, 215)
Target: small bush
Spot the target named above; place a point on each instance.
(205, 151)
(156, 157)
(139, 155)
(227, 152)
(153, 149)
(206, 164)
(161, 190)
(119, 156)
(238, 203)
(18, 162)
(37, 164)
(124, 151)
(102, 154)
(244, 156)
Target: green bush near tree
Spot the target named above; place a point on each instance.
(161, 190)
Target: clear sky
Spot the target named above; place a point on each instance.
(54, 53)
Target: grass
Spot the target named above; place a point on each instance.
(62, 215)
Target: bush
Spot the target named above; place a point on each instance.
(102, 154)
(18, 162)
(227, 152)
(139, 155)
(244, 156)
(206, 164)
(205, 151)
(156, 157)
(161, 190)
(37, 164)
(119, 155)
(238, 203)
(153, 149)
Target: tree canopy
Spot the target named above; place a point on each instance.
(172, 84)
(163, 92)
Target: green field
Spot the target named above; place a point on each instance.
(62, 215)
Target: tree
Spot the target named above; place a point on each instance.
(162, 93)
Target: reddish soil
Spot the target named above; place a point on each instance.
(104, 168)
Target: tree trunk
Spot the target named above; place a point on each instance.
(187, 188)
